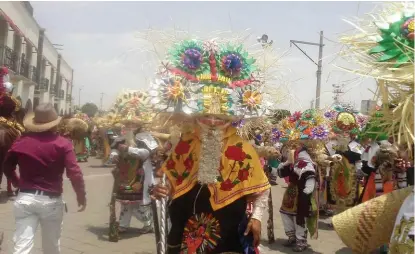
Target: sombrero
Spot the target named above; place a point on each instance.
(369, 225)
(42, 119)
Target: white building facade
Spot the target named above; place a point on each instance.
(38, 72)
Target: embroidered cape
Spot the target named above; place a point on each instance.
(240, 172)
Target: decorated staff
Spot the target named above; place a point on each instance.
(212, 172)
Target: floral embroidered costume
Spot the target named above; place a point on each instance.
(302, 133)
(134, 173)
(346, 124)
(212, 171)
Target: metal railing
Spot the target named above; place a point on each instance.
(45, 85)
(9, 58)
(24, 66)
(34, 74)
(52, 89)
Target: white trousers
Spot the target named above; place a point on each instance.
(30, 210)
(292, 229)
(142, 213)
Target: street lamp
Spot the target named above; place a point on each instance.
(79, 96)
(264, 41)
(319, 63)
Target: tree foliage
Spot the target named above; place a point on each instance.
(90, 109)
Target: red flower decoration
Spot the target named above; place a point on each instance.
(188, 164)
(235, 153)
(182, 148)
(179, 180)
(171, 164)
(302, 164)
(243, 175)
(226, 185)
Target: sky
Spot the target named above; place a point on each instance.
(99, 38)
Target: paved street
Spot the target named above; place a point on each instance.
(87, 232)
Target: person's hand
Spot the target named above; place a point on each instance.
(82, 205)
(160, 191)
(336, 157)
(115, 159)
(254, 226)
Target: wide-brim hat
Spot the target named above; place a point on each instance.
(42, 119)
(369, 225)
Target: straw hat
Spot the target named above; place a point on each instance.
(42, 119)
(368, 226)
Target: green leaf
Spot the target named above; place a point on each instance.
(219, 178)
(241, 163)
(239, 144)
(174, 173)
(403, 58)
(390, 54)
(185, 174)
(381, 48)
(249, 157)
(236, 181)
(248, 166)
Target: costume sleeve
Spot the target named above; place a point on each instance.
(284, 169)
(366, 169)
(260, 204)
(310, 184)
(74, 173)
(140, 153)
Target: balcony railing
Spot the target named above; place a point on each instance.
(24, 66)
(9, 58)
(34, 74)
(52, 90)
(45, 85)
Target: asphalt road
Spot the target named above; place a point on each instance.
(87, 232)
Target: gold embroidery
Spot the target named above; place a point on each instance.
(14, 125)
(401, 243)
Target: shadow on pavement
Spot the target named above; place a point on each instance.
(102, 233)
(344, 250)
(278, 246)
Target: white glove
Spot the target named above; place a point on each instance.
(336, 157)
(309, 185)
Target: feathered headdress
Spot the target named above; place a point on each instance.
(382, 46)
(345, 120)
(210, 77)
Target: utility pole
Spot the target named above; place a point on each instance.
(337, 91)
(319, 62)
(79, 97)
(102, 96)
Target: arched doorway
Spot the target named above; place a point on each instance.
(29, 106)
(36, 102)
